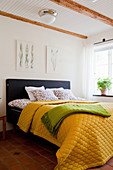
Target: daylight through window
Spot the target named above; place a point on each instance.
(103, 65)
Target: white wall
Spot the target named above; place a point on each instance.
(12, 30)
(98, 38)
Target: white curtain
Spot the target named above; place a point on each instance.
(88, 72)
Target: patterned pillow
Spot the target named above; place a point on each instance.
(65, 95)
(19, 103)
(44, 95)
(31, 88)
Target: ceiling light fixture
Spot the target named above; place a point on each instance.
(48, 16)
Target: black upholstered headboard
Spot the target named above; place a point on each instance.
(15, 88)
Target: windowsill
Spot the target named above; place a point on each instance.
(97, 95)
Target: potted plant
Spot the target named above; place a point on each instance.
(103, 85)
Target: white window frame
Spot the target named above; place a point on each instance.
(99, 48)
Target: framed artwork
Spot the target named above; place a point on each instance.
(25, 56)
(53, 59)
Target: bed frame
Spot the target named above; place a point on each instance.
(15, 89)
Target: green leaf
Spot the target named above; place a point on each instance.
(104, 83)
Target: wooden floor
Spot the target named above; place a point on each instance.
(20, 152)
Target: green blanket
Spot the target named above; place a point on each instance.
(54, 117)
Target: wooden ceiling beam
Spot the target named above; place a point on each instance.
(84, 10)
(41, 24)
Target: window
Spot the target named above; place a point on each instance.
(103, 65)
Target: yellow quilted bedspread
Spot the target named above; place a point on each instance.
(85, 140)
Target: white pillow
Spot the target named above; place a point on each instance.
(31, 88)
(42, 95)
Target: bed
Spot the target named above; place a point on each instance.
(15, 89)
(85, 141)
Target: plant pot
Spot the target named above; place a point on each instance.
(103, 91)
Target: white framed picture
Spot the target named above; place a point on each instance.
(53, 59)
(25, 56)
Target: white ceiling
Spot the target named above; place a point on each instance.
(104, 7)
(66, 18)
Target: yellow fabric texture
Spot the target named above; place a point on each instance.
(85, 140)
